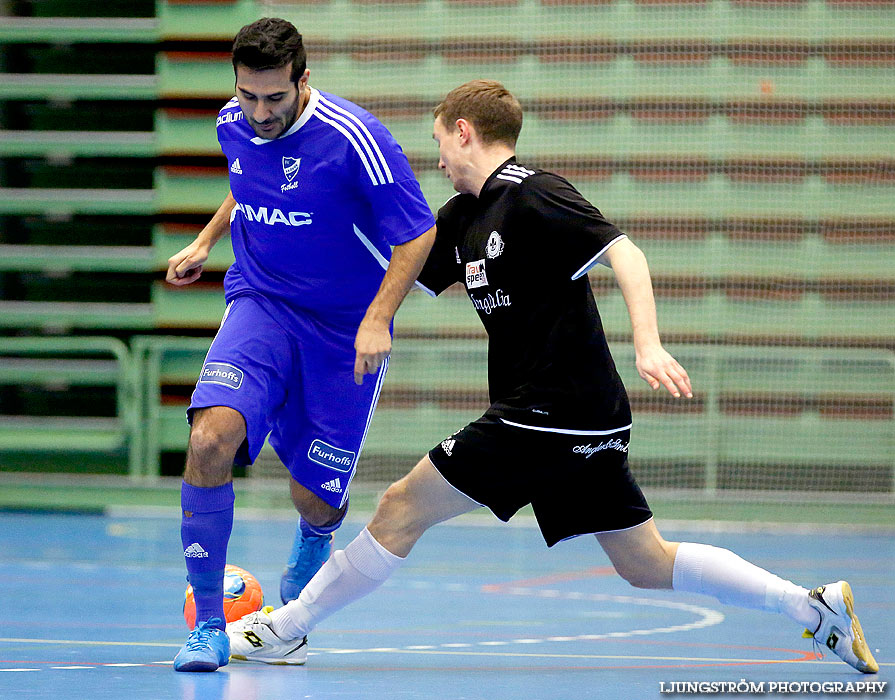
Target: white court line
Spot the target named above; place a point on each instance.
(706, 617)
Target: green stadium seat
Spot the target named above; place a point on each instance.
(163, 361)
(168, 239)
(661, 186)
(28, 86)
(67, 202)
(759, 406)
(199, 305)
(628, 72)
(77, 8)
(56, 364)
(726, 159)
(76, 144)
(71, 258)
(187, 132)
(182, 189)
(614, 129)
(56, 316)
(691, 309)
(77, 29)
(540, 19)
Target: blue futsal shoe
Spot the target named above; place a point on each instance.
(313, 552)
(206, 649)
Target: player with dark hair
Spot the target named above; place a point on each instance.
(320, 192)
(557, 432)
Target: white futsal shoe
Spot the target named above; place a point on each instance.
(839, 629)
(252, 639)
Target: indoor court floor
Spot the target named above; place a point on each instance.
(92, 609)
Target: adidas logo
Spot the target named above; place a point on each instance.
(195, 550)
(447, 446)
(335, 486)
(514, 173)
(236, 167)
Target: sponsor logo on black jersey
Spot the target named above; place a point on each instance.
(494, 246)
(489, 302)
(475, 274)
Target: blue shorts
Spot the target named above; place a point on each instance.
(292, 377)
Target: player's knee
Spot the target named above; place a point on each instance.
(646, 571)
(639, 576)
(211, 448)
(320, 514)
(396, 508)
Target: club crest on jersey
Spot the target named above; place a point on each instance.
(290, 167)
(494, 246)
(290, 170)
(475, 274)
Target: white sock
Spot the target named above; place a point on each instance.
(701, 568)
(347, 575)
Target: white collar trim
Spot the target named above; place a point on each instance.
(308, 112)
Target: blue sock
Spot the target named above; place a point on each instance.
(205, 527)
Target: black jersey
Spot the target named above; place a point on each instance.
(522, 249)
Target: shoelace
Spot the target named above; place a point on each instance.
(309, 548)
(201, 636)
(818, 648)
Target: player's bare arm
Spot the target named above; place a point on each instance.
(654, 364)
(185, 267)
(374, 341)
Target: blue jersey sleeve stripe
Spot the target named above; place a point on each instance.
(363, 127)
(369, 246)
(321, 108)
(381, 259)
(347, 135)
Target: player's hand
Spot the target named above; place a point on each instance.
(373, 344)
(658, 368)
(185, 267)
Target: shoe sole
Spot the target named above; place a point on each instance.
(859, 646)
(200, 666)
(269, 661)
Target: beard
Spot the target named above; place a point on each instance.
(283, 123)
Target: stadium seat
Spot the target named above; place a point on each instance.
(70, 258)
(726, 159)
(168, 239)
(55, 366)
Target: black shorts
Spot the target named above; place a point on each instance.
(577, 484)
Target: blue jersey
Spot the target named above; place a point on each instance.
(319, 206)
